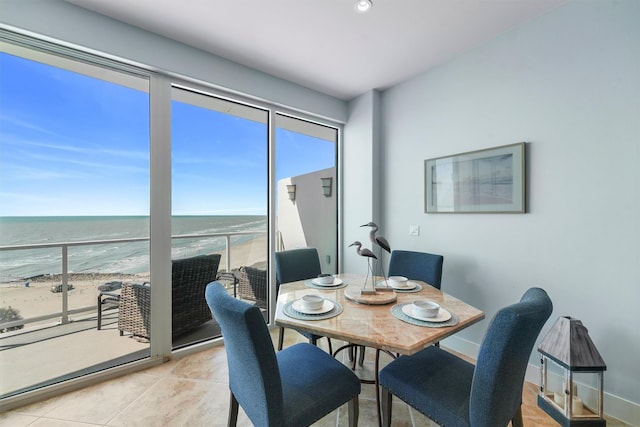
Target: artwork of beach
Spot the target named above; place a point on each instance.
(28, 276)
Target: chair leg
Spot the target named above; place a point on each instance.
(386, 402)
(99, 313)
(516, 421)
(233, 411)
(361, 358)
(354, 411)
(330, 346)
(280, 339)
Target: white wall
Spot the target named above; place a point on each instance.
(68, 23)
(568, 83)
(310, 220)
(361, 176)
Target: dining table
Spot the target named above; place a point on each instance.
(381, 319)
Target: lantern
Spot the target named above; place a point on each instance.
(571, 370)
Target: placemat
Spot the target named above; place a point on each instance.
(289, 311)
(397, 312)
(418, 288)
(310, 284)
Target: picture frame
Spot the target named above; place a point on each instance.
(483, 181)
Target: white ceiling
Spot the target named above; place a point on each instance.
(324, 44)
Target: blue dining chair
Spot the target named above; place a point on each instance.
(421, 266)
(454, 392)
(293, 265)
(417, 265)
(294, 387)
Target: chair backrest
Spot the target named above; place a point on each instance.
(417, 265)
(496, 390)
(297, 264)
(189, 278)
(254, 376)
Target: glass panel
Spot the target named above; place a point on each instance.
(306, 188)
(74, 199)
(219, 201)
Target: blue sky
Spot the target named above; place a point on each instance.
(75, 145)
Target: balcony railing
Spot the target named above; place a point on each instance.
(64, 247)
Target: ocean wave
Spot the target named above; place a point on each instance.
(122, 257)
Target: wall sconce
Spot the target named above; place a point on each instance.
(326, 186)
(291, 189)
(569, 349)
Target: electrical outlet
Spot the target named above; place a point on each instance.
(414, 230)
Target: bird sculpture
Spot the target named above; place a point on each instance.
(364, 252)
(375, 239)
(379, 241)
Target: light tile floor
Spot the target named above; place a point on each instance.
(192, 391)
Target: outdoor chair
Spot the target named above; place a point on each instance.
(189, 278)
(293, 387)
(134, 313)
(293, 265)
(454, 392)
(106, 300)
(252, 286)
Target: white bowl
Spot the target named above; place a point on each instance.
(312, 302)
(398, 281)
(425, 308)
(325, 279)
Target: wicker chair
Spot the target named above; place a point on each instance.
(252, 286)
(135, 309)
(189, 278)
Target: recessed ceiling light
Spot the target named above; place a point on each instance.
(363, 6)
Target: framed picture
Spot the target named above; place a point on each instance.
(483, 181)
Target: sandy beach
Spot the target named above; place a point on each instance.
(38, 300)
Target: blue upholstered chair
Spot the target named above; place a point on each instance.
(453, 392)
(295, 387)
(421, 266)
(293, 265)
(417, 265)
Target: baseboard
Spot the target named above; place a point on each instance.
(614, 406)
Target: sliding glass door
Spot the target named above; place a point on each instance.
(74, 215)
(307, 208)
(95, 185)
(219, 200)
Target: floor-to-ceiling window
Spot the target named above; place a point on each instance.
(220, 194)
(307, 208)
(74, 195)
(79, 190)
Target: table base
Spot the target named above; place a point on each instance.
(376, 380)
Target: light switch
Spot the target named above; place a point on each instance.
(414, 230)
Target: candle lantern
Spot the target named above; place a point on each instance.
(570, 359)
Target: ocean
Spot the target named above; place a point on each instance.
(129, 257)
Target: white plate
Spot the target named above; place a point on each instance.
(443, 315)
(410, 285)
(336, 282)
(327, 306)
